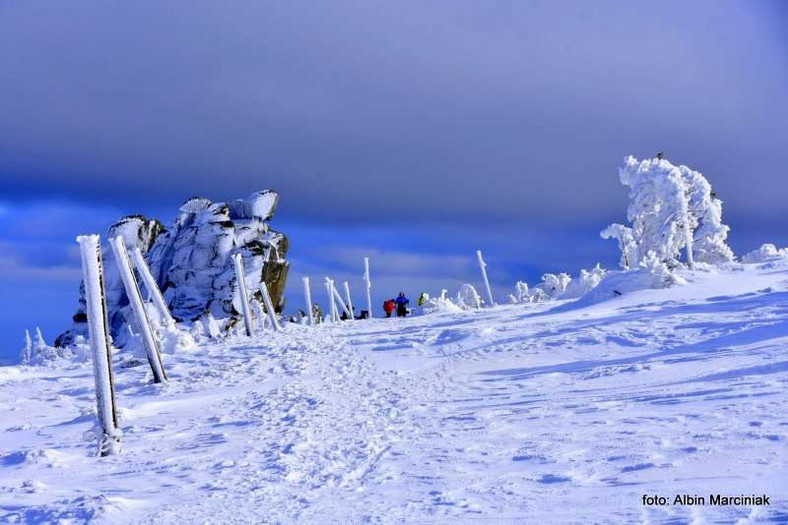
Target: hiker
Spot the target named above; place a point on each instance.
(388, 307)
(402, 305)
(423, 298)
(317, 313)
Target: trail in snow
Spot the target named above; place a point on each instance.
(549, 413)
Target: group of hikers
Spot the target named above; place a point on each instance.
(399, 304)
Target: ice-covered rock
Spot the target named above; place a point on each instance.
(192, 261)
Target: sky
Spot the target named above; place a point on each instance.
(414, 132)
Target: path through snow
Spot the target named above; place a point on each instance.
(548, 413)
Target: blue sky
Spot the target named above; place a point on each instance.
(412, 131)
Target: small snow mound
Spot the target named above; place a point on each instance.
(766, 253)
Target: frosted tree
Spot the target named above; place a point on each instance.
(40, 348)
(626, 242)
(672, 208)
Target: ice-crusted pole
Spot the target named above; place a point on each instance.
(118, 246)
(483, 266)
(153, 288)
(349, 301)
(269, 305)
(239, 276)
(308, 299)
(98, 333)
(330, 300)
(341, 301)
(332, 293)
(368, 281)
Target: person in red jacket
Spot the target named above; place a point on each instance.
(388, 307)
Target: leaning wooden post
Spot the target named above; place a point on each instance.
(135, 300)
(340, 301)
(349, 301)
(239, 276)
(269, 305)
(98, 333)
(153, 288)
(332, 301)
(483, 266)
(308, 299)
(368, 281)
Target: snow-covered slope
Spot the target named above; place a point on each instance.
(548, 413)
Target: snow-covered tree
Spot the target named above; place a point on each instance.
(672, 208)
(626, 242)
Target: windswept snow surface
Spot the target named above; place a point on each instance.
(552, 413)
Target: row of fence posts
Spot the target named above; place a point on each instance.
(98, 323)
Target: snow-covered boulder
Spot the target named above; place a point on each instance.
(192, 261)
(766, 253)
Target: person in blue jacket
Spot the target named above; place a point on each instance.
(402, 304)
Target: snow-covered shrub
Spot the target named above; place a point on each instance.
(39, 352)
(767, 252)
(661, 275)
(587, 281)
(672, 208)
(521, 293)
(468, 297)
(441, 304)
(554, 285)
(559, 286)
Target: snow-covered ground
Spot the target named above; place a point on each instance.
(552, 413)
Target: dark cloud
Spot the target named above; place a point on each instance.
(379, 111)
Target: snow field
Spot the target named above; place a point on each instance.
(553, 413)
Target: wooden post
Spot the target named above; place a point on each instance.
(483, 266)
(239, 276)
(153, 288)
(270, 307)
(340, 301)
(98, 333)
(349, 301)
(308, 299)
(368, 281)
(333, 314)
(135, 300)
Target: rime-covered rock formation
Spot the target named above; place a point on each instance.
(192, 261)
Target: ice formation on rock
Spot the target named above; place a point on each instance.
(192, 261)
